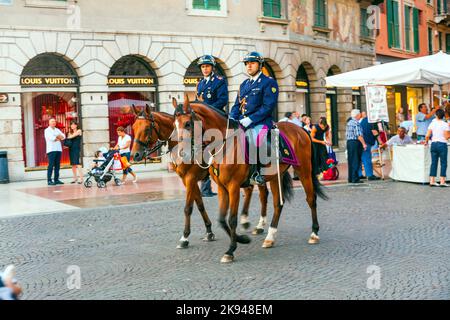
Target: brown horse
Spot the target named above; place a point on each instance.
(154, 129)
(229, 174)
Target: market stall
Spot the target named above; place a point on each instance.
(411, 163)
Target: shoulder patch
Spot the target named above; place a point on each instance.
(274, 90)
(219, 77)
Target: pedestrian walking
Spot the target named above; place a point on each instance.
(123, 145)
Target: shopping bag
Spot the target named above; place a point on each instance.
(125, 163)
(332, 154)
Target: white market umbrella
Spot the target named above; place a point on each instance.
(428, 70)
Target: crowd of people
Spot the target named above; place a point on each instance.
(362, 138)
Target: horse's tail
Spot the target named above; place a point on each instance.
(287, 188)
(318, 187)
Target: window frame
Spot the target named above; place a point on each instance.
(324, 15)
(280, 2)
(222, 12)
(54, 4)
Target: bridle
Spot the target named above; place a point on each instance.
(149, 132)
(194, 148)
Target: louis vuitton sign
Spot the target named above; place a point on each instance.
(33, 81)
(131, 81)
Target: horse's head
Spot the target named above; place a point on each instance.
(184, 117)
(145, 132)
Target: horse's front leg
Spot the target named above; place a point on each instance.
(183, 243)
(245, 222)
(234, 194)
(201, 207)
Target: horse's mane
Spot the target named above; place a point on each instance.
(219, 112)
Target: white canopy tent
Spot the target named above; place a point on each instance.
(428, 70)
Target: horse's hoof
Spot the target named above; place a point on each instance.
(183, 244)
(209, 237)
(314, 239)
(257, 231)
(245, 225)
(227, 258)
(243, 239)
(268, 244)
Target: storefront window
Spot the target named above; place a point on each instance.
(39, 108)
(120, 112)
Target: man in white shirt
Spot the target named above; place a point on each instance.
(53, 138)
(400, 139)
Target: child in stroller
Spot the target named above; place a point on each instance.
(103, 170)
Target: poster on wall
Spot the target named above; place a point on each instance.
(377, 109)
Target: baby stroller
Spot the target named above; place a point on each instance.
(105, 172)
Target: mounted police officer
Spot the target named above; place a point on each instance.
(255, 103)
(213, 90)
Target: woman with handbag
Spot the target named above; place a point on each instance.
(321, 138)
(124, 145)
(73, 142)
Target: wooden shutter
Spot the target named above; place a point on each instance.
(416, 29)
(213, 4)
(198, 4)
(407, 28)
(396, 24)
(390, 24)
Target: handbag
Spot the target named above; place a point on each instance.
(67, 143)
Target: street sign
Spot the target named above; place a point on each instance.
(4, 98)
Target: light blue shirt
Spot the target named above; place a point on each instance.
(422, 124)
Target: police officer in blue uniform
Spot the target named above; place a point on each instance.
(255, 103)
(213, 90)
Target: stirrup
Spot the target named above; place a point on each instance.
(257, 179)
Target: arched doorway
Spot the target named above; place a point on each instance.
(131, 81)
(302, 97)
(194, 75)
(332, 108)
(49, 90)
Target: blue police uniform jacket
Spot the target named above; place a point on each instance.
(261, 99)
(214, 92)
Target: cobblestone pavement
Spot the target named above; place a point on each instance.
(130, 252)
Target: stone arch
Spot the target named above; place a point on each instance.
(50, 64)
(305, 83)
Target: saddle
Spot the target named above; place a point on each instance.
(285, 149)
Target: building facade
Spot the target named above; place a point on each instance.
(65, 60)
